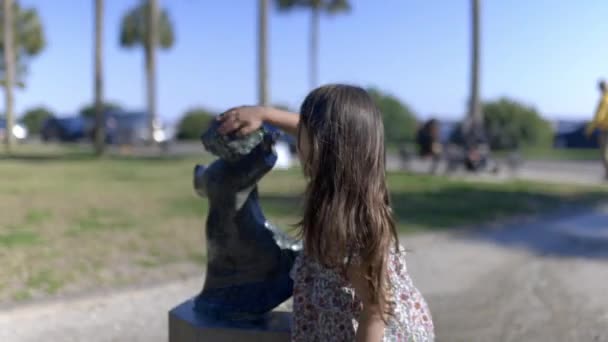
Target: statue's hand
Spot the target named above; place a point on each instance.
(241, 120)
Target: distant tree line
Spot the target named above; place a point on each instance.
(147, 25)
(509, 123)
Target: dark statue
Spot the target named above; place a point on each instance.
(249, 259)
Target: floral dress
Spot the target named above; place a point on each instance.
(326, 308)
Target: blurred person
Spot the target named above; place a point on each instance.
(429, 142)
(600, 122)
(351, 281)
(476, 149)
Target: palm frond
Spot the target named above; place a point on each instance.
(166, 35)
(337, 6)
(29, 32)
(134, 27)
(288, 5)
(328, 6)
(131, 28)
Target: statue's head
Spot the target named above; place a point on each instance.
(252, 153)
(232, 148)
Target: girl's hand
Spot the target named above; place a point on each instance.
(241, 120)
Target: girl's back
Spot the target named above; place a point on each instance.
(327, 308)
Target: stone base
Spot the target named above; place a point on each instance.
(186, 326)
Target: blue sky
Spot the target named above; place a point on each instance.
(547, 53)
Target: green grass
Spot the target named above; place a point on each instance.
(197, 257)
(70, 222)
(99, 219)
(22, 295)
(46, 281)
(18, 238)
(35, 216)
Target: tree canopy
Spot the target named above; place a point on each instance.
(194, 123)
(510, 124)
(28, 41)
(35, 117)
(88, 111)
(134, 27)
(399, 120)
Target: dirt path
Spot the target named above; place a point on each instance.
(521, 284)
(135, 315)
(526, 282)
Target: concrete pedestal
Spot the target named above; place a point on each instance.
(186, 326)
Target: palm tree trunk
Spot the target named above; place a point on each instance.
(151, 65)
(263, 53)
(99, 114)
(475, 114)
(314, 47)
(9, 59)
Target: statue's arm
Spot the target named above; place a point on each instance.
(250, 170)
(214, 180)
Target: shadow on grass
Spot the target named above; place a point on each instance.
(453, 207)
(540, 235)
(471, 211)
(458, 206)
(480, 209)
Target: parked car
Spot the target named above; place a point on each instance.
(446, 130)
(124, 128)
(19, 130)
(110, 128)
(132, 129)
(64, 129)
(577, 138)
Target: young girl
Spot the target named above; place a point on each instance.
(351, 281)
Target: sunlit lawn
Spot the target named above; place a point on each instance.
(71, 223)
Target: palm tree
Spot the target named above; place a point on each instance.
(316, 7)
(22, 38)
(475, 114)
(9, 71)
(149, 27)
(263, 94)
(99, 112)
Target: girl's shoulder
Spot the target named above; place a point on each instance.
(307, 267)
(398, 250)
(304, 264)
(395, 251)
(396, 260)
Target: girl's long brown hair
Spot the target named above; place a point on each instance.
(347, 210)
